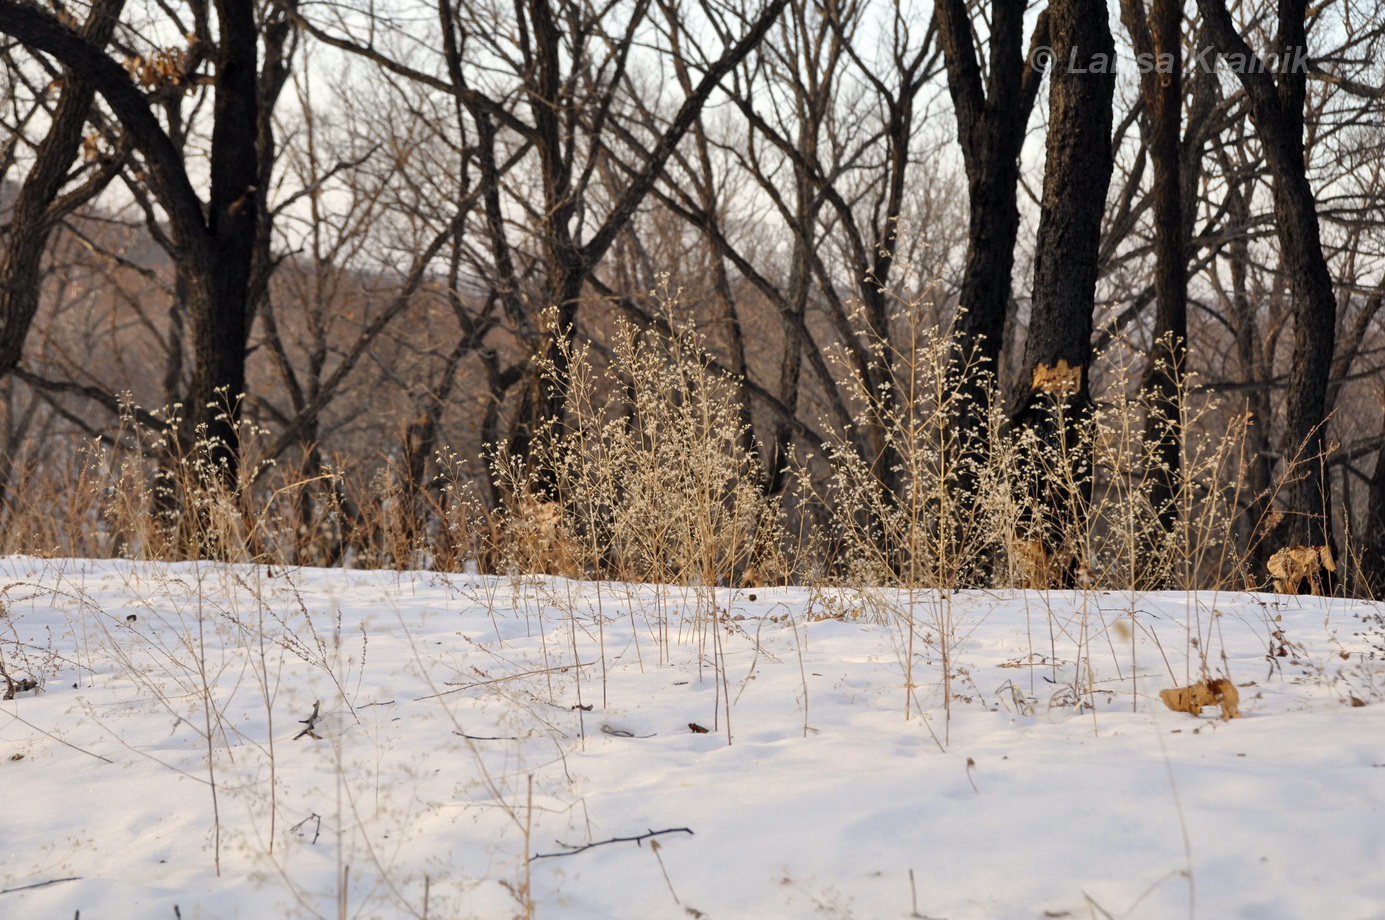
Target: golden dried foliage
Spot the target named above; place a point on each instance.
(1216, 692)
(539, 540)
(1292, 565)
(1040, 568)
(91, 147)
(1063, 380)
(164, 67)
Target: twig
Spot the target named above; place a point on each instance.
(497, 680)
(914, 900)
(57, 739)
(654, 845)
(317, 829)
(311, 722)
(487, 737)
(51, 881)
(622, 733)
(573, 851)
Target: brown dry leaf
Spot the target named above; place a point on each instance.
(164, 67)
(1292, 565)
(1063, 380)
(540, 540)
(1191, 699)
(91, 147)
(1038, 568)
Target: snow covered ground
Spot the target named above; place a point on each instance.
(473, 733)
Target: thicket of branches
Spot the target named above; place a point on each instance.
(443, 284)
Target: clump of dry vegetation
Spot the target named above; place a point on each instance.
(650, 474)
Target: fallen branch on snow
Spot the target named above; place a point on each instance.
(573, 851)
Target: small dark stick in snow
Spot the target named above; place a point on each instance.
(573, 850)
(311, 722)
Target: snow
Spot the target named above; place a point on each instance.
(451, 752)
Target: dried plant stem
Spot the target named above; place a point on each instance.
(208, 708)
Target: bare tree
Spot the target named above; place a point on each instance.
(215, 243)
(992, 111)
(37, 207)
(1277, 110)
(1157, 39)
(566, 65)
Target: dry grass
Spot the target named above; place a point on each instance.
(653, 478)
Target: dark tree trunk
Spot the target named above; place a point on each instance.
(219, 295)
(1373, 533)
(214, 251)
(1052, 397)
(1160, 38)
(1276, 109)
(991, 125)
(569, 262)
(37, 208)
(1258, 472)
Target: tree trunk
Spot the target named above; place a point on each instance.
(1276, 109)
(218, 301)
(214, 248)
(1372, 559)
(1159, 37)
(1052, 398)
(991, 130)
(568, 262)
(37, 209)
(1258, 472)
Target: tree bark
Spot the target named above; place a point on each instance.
(1159, 37)
(568, 262)
(37, 208)
(219, 292)
(991, 122)
(1373, 532)
(574, 264)
(1052, 398)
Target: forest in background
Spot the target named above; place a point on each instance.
(714, 291)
